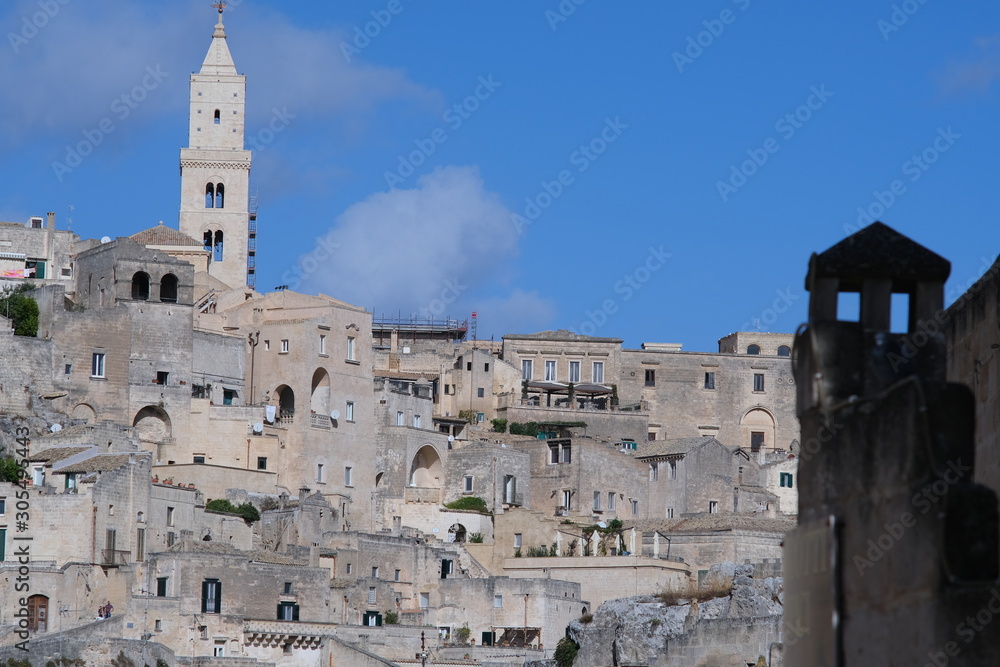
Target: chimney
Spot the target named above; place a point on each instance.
(51, 223)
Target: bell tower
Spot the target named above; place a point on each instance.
(215, 168)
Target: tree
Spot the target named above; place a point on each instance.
(17, 306)
(10, 471)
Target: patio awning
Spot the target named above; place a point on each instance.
(591, 388)
(547, 385)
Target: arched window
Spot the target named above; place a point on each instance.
(140, 286)
(217, 119)
(168, 288)
(209, 196)
(753, 349)
(207, 241)
(286, 405)
(784, 351)
(220, 196)
(217, 247)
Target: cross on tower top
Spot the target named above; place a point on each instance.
(221, 5)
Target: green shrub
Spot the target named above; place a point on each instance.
(246, 510)
(467, 415)
(476, 538)
(473, 503)
(391, 618)
(499, 425)
(462, 635)
(10, 471)
(566, 651)
(531, 429)
(21, 309)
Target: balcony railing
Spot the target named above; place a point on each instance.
(578, 406)
(115, 557)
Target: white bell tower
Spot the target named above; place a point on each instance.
(215, 168)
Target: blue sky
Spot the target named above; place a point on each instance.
(655, 171)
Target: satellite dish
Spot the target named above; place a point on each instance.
(105, 239)
(258, 428)
(451, 438)
(335, 415)
(55, 428)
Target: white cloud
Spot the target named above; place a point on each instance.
(976, 74)
(433, 250)
(64, 76)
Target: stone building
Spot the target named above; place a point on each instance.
(36, 250)
(892, 531)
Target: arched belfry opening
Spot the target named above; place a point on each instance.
(220, 196)
(217, 246)
(168, 288)
(140, 286)
(218, 118)
(210, 196)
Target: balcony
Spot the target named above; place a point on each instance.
(114, 557)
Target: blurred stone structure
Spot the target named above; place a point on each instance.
(894, 560)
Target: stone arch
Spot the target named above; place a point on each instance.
(152, 424)
(140, 286)
(378, 477)
(319, 399)
(753, 348)
(286, 403)
(426, 470)
(758, 420)
(85, 412)
(168, 288)
(784, 351)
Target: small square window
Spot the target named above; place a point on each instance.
(497, 601)
(69, 368)
(468, 484)
(650, 377)
(481, 393)
(713, 506)
(199, 458)
(158, 625)
(261, 463)
(287, 590)
(284, 346)
(267, 345)
(3, 506)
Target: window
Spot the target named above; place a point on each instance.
(209, 202)
(635, 507)
(753, 349)
(597, 501)
(481, 393)
(510, 489)
(468, 484)
(284, 346)
(217, 118)
(69, 368)
(526, 369)
(673, 469)
(416, 421)
(97, 365)
(709, 380)
(219, 648)
(3, 506)
(288, 611)
(261, 463)
(395, 576)
(468, 365)
(322, 344)
(267, 345)
(598, 372)
(158, 625)
(480, 417)
(713, 506)
(171, 538)
(228, 395)
(211, 596)
(784, 351)
(756, 441)
(425, 600)
(486, 368)
(220, 202)
(650, 377)
(350, 568)
(611, 501)
(574, 371)
(399, 418)
(350, 349)
(550, 370)
(348, 474)
(654, 472)
(170, 516)
(517, 540)
(371, 595)
(375, 572)
(199, 458)
(567, 498)
(287, 588)
(350, 411)
(786, 479)
(319, 472)
(497, 601)
(70, 483)
(670, 512)
(553, 453)
(567, 454)
(758, 382)
(140, 544)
